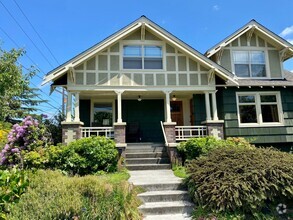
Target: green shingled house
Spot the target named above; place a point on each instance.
(142, 84)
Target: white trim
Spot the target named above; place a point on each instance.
(257, 104)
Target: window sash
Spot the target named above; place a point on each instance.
(259, 108)
(142, 57)
(249, 63)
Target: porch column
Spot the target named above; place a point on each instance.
(168, 107)
(215, 111)
(76, 107)
(68, 107)
(208, 110)
(119, 105)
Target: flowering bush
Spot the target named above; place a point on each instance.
(23, 137)
(4, 130)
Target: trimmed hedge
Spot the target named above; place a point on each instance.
(241, 179)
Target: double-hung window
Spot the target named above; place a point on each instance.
(249, 63)
(259, 108)
(142, 57)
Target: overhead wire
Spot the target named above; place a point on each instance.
(11, 15)
(36, 32)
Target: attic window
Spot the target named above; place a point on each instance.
(142, 57)
(249, 63)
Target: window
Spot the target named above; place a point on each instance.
(259, 108)
(103, 114)
(249, 63)
(142, 57)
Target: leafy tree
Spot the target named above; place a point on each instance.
(17, 98)
(54, 126)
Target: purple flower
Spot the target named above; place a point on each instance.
(44, 115)
(15, 150)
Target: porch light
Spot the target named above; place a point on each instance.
(174, 98)
(139, 98)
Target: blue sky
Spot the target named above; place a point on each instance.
(68, 27)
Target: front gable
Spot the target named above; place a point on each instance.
(252, 52)
(148, 45)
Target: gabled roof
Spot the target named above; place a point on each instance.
(251, 26)
(159, 31)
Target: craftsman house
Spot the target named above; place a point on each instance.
(142, 84)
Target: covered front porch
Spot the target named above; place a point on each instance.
(128, 116)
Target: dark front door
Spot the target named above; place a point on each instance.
(143, 120)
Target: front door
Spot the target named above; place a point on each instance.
(143, 120)
(177, 112)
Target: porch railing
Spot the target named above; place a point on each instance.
(108, 132)
(185, 132)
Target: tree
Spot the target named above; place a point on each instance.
(17, 98)
(54, 126)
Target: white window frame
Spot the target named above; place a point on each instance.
(257, 104)
(139, 43)
(251, 50)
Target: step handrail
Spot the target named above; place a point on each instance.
(163, 129)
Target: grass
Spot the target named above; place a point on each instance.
(52, 195)
(180, 171)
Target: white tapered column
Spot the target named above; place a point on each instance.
(208, 108)
(68, 107)
(119, 105)
(215, 111)
(168, 106)
(76, 108)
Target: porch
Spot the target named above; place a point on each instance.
(142, 116)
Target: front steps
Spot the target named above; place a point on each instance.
(146, 156)
(165, 196)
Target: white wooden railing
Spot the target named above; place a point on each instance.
(185, 132)
(164, 133)
(108, 132)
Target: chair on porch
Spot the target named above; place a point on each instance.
(133, 132)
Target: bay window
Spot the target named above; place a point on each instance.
(249, 63)
(259, 108)
(142, 57)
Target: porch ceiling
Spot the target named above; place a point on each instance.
(135, 94)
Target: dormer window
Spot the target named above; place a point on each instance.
(249, 63)
(142, 57)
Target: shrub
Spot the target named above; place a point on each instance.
(4, 130)
(52, 195)
(22, 138)
(196, 147)
(241, 179)
(90, 155)
(13, 184)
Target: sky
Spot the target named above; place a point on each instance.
(54, 31)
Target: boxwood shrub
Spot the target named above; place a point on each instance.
(90, 155)
(241, 179)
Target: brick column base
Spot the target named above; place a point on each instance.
(71, 131)
(170, 133)
(120, 137)
(215, 129)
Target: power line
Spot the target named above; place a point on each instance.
(36, 32)
(26, 34)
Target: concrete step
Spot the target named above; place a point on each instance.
(164, 196)
(168, 217)
(161, 208)
(146, 155)
(148, 166)
(172, 185)
(145, 149)
(144, 144)
(158, 160)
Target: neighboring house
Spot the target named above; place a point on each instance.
(142, 75)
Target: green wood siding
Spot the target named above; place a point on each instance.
(199, 109)
(227, 108)
(85, 112)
